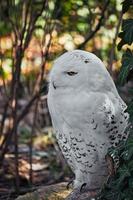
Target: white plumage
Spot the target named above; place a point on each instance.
(87, 115)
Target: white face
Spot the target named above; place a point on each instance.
(68, 75)
(75, 70)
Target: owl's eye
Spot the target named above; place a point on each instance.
(72, 73)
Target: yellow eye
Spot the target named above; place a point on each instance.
(71, 73)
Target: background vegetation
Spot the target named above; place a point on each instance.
(32, 34)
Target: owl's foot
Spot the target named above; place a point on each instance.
(83, 187)
(70, 183)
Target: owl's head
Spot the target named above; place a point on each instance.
(77, 69)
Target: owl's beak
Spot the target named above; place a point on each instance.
(54, 86)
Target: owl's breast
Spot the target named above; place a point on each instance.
(76, 108)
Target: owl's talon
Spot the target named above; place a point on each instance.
(83, 186)
(69, 183)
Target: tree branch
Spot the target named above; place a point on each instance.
(98, 26)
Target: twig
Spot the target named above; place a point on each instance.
(112, 51)
(3, 118)
(14, 25)
(25, 12)
(98, 26)
(27, 107)
(34, 18)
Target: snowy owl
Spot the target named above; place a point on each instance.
(87, 114)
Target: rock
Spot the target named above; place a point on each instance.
(50, 192)
(54, 192)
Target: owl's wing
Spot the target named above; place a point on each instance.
(109, 118)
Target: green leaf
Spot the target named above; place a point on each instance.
(127, 33)
(130, 182)
(127, 194)
(130, 110)
(130, 166)
(127, 66)
(129, 143)
(123, 173)
(112, 195)
(2, 73)
(127, 27)
(124, 155)
(121, 43)
(127, 152)
(126, 5)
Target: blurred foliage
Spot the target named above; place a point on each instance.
(127, 66)
(73, 20)
(120, 187)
